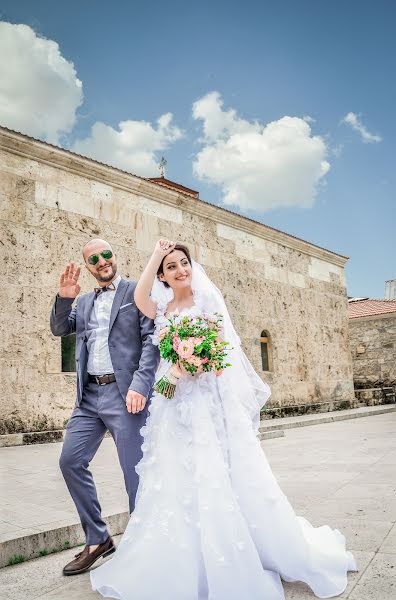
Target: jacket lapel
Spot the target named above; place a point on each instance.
(88, 307)
(119, 297)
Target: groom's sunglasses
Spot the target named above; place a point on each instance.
(94, 258)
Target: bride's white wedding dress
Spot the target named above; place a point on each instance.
(211, 522)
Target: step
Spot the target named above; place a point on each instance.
(32, 437)
(270, 435)
(320, 418)
(36, 543)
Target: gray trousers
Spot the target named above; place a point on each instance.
(102, 408)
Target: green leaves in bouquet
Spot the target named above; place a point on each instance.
(214, 351)
(166, 349)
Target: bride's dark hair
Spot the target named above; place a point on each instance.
(180, 247)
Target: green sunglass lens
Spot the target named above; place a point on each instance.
(94, 259)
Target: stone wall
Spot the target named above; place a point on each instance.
(52, 202)
(373, 346)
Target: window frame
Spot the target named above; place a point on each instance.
(67, 339)
(265, 339)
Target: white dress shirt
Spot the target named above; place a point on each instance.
(99, 360)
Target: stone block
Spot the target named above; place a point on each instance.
(161, 211)
(12, 439)
(236, 235)
(47, 194)
(322, 270)
(208, 257)
(296, 279)
(276, 274)
(15, 193)
(73, 201)
(147, 232)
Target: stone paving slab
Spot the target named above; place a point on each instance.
(389, 544)
(378, 582)
(313, 466)
(329, 417)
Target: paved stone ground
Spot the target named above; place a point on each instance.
(48, 503)
(342, 474)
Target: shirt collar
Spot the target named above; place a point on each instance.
(116, 282)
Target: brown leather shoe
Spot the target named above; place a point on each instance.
(85, 559)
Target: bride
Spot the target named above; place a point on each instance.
(211, 522)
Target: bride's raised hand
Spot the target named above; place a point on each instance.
(164, 247)
(68, 282)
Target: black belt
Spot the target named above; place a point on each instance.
(102, 379)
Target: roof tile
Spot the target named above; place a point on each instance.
(370, 307)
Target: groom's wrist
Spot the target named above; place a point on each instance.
(63, 303)
(142, 390)
(63, 300)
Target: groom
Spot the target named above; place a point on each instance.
(115, 364)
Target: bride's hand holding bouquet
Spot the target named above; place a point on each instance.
(194, 345)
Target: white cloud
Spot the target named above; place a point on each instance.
(39, 89)
(258, 166)
(218, 123)
(132, 146)
(353, 120)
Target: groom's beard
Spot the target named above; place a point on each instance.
(104, 278)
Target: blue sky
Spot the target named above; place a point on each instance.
(266, 61)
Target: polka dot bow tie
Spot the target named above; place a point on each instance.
(107, 288)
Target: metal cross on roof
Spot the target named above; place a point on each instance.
(162, 165)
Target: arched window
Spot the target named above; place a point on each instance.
(265, 351)
(68, 348)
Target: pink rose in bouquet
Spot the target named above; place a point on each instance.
(194, 360)
(186, 348)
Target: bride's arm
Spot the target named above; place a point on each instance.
(142, 291)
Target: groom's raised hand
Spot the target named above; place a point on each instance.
(68, 282)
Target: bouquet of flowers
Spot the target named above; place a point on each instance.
(194, 345)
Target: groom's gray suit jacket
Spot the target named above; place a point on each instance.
(134, 357)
